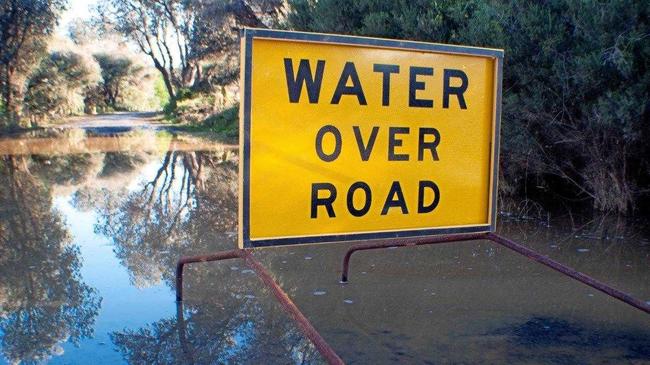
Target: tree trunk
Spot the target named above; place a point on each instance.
(116, 95)
(108, 96)
(168, 83)
(187, 75)
(12, 108)
(199, 74)
(6, 95)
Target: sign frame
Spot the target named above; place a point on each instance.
(247, 35)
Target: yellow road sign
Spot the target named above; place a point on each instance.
(347, 138)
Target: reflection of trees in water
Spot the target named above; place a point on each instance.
(193, 194)
(239, 330)
(43, 300)
(65, 169)
(120, 162)
(189, 207)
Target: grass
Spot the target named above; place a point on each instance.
(194, 113)
(223, 126)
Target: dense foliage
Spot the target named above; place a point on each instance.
(58, 85)
(126, 84)
(46, 77)
(24, 28)
(193, 43)
(576, 84)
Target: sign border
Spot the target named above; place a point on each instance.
(246, 42)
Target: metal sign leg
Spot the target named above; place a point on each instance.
(503, 241)
(287, 304)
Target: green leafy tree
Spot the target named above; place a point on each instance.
(159, 29)
(118, 72)
(577, 88)
(214, 38)
(57, 87)
(24, 28)
(180, 36)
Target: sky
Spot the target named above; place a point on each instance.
(76, 9)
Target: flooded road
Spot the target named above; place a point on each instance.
(92, 226)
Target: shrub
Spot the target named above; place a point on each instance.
(57, 86)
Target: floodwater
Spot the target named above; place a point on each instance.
(91, 227)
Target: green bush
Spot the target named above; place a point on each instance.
(184, 93)
(161, 93)
(191, 107)
(57, 86)
(225, 123)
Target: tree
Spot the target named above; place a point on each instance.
(159, 29)
(214, 36)
(24, 28)
(216, 23)
(116, 71)
(58, 85)
(578, 84)
(179, 35)
(82, 31)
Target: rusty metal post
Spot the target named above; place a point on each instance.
(287, 304)
(303, 323)
(222, 255)
(520, 249)
(417, 242)
(583, 278)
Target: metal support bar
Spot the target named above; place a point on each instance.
(583, 278)
(418, 242)
(520, 249)
(218, 256)
(287, 304)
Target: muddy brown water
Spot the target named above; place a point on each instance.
(90, 236)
